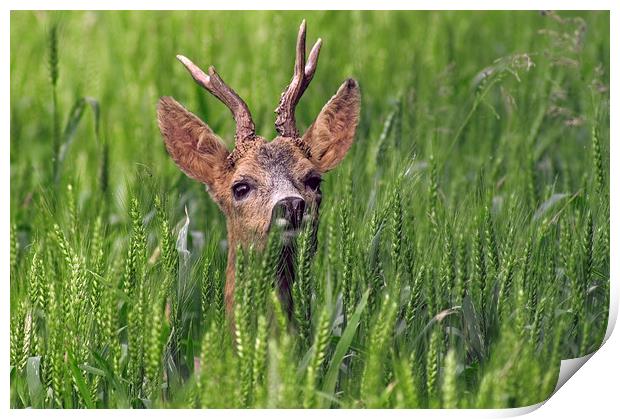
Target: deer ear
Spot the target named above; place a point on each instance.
(331, 135)
(193, 146)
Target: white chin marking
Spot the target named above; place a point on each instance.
(289, 236)
(281, 222)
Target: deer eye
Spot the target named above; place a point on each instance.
(313, 182)
(240, 190)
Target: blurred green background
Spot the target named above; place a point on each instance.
(433, 60)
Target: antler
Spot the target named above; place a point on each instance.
(302, 75)
(214, 84)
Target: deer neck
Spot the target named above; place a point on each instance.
(285, 276)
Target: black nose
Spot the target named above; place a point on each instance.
(292, 209)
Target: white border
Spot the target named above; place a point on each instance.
(595, 389)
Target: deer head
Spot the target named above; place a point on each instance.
(263, 183)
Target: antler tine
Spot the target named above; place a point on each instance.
(300, 51)
(302, 75)
(215, 85)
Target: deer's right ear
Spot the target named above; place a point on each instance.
(331, 135)
(193, 146)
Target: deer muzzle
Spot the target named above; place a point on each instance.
(288, 213)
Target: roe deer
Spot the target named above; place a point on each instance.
(261, 183)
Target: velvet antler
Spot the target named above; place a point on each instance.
(302, 75)
(215, 85)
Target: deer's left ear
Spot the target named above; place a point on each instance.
(193, 146)
(331, 135)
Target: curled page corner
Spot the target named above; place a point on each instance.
(612, 315)
(519, 411)
(568, 367)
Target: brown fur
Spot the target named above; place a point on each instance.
(331, 135)
(275, 169)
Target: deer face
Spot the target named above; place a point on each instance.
(262, 184)
(274, 184)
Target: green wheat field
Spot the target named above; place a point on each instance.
(463, 247)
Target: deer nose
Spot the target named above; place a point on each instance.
(292, 209)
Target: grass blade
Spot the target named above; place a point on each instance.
(329, 383)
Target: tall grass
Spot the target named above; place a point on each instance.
(463, 249)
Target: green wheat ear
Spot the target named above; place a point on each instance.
(319, 347)
(14, 248)
(346, 246)
(53, 69)
(134, 288)
(491, 247)
(449, 387)
(461, 270)
(446, 271)
(433, 195)
(432, 368)
(73, 215)
(396, 230)
(37, 285)
(208, 358)
(154, 349)
(259, 362)
(267, 275)
(303, 285)
(374, 373)
(17, 335)
(168, 250)
(479, 274)
(597, 157)
(407, 390)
